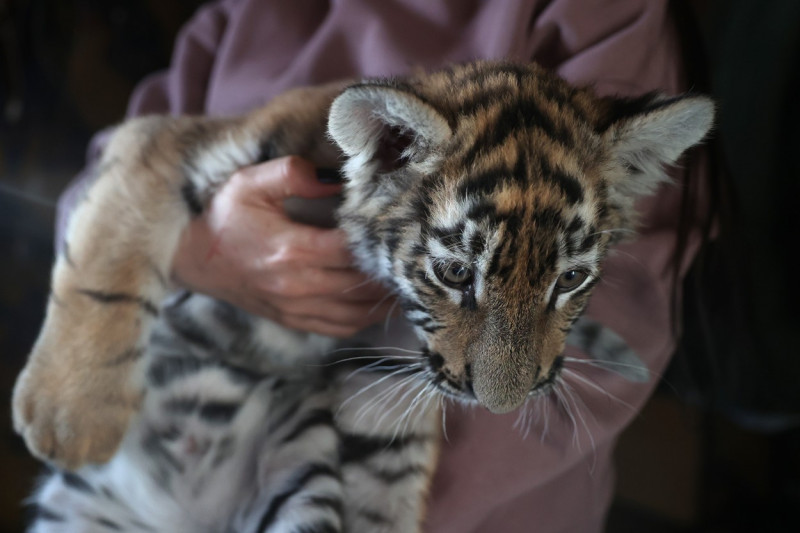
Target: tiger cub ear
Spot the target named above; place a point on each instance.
(649, 133)
(383, 127)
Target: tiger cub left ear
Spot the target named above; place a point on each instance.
(383, 127)
(652, 135)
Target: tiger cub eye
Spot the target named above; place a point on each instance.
(570, 280)
(454, 275)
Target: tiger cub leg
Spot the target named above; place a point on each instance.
(73, 401)
(74, 398)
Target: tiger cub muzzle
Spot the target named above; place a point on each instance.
(494, 370)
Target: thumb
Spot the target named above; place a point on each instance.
(286, 177)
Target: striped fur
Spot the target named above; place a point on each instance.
(485, 195)
(233, 447)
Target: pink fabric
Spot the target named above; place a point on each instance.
(237, 54)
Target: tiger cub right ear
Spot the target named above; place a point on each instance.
(651, 134)
(645, 135)
(384, 127)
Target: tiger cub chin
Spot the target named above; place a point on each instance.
(482, 194)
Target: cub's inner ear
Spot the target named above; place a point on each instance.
(385, 126)
(392, 150)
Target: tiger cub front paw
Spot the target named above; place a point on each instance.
(71, 422)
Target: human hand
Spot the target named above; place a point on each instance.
(245, 250)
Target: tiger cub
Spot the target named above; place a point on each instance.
(481, 194)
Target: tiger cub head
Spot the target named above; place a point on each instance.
(487, 196)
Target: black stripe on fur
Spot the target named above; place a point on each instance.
(120, 298)
(294, 486)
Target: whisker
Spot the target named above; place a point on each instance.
(432, 394)
(378, 364)
(575, 398)
(635, 260)
(418, 406)
(28, 197)
(600, 363)
(613, 230)
(378, 359)
(586, 381)
(370, 279)
(609, 281)
(380, 302)
(546, 409)
(389, 316)
(405, 418)
(372, 384)
(374, 348)
(568, 409)
(384, 397)
(522, 423)
(402, 418)
(374, 403)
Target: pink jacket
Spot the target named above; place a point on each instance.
(237, 54)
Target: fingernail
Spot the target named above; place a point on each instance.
(329, 176)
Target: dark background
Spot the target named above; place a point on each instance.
(717, 449)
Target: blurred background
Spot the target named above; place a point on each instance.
(717, 449)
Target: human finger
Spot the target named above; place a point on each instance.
(347, 284)
(311, 246)
(360, 313)
(338, 321)
(285, 177)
